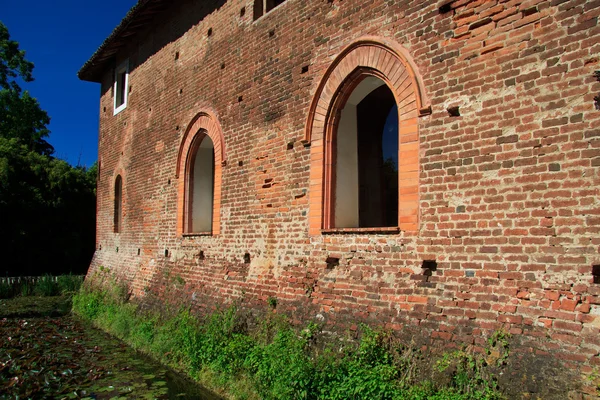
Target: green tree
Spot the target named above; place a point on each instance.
(47, 207)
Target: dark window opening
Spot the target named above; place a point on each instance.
(121, 82)
(201, 181)
(118, 203)
(366, 159)
(596, 273)
(261, 7)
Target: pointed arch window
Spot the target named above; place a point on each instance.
(118, 204)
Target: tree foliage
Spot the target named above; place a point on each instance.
(47, 207)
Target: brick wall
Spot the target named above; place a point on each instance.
(508, 191)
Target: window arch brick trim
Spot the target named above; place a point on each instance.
(204, 123)
(392, 64)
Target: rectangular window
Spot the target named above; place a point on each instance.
(261, 7)
(121, 86)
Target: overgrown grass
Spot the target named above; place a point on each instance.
(275, 361)
(46, 285)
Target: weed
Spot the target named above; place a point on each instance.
(276, 361)
(46, 286)
(26, 289)
(6, 290)
(69, 284)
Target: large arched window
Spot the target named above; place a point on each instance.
(364, 164)
(200, 185)
(199, 168)
(118, 204)
(363, 130)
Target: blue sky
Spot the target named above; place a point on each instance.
(59, 36)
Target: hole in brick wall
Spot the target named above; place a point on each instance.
(247, 258)
(290, 146)
(304, 69)
(332, 262)
(177, 128)
(272, 33)
(596, 273)
(180, 91)
(453, 111)
(201, 255)
(529, 11)
(240, 99)
(104, 109)
(117, 249)
(222, 65)
(428, 266)
(240, 163)
(169, 182)
(597, 98)
(445, 8)
(130, 87)
(166, 252)
(150, 109)
(243, 11)
(176, 55)
(99, 247)
(139, 252)
(209, 33)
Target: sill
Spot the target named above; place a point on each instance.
(120, 108)
(194, 234)
(383, 231)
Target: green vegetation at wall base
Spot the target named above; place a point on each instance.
(276, 361)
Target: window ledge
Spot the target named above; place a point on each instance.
(194, 234)
(389, 230)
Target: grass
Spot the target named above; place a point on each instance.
(276, 361)
(46, 285)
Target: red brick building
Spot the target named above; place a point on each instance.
(429, 166)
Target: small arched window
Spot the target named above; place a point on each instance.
(261, 7)
(200, 164)
(200, 182)
(118, 206)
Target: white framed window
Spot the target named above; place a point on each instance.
(261, 7)
(121, 86)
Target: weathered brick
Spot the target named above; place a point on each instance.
(502, 197)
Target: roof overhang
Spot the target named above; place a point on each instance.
(140, 17)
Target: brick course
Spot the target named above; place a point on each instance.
(508, 191)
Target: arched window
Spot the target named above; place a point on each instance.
(363, 130)
(200, 185)
(261, 7)
(200, 164)
(364, 165)
(118, 206)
